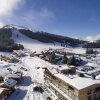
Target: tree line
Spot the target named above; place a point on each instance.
(7, 43)
(92, 45)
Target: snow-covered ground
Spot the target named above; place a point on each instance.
(34, 65)
(36, 74)
(77, 50)
(25, 88)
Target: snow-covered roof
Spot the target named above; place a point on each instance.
(1, 90)
(76, 81)
(98, 77)
(10, 82)
(63, 67)
(5, 64)
(72, 66)
(13, 76)
(52, 70)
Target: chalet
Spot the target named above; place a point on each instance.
(9, 58)
(8, 83)
(5, 58)
(14, 60)
(20, 53)
(15, 76)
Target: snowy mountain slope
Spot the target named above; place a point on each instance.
(51, 38)
(32, 44)
(38, 46)
(12, 26)
(22, 38)
(44, 36)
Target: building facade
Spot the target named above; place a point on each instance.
(66, 91)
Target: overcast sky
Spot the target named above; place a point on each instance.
(75, 18)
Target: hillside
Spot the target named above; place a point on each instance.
(45, 36)
(27, 37)
(50, 38)
(6, 42)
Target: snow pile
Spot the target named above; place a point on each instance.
(98, 77)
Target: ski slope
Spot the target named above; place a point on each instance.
(35, 45)
(32, 44)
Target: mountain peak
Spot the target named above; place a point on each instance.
(12, 26)
(18, 27)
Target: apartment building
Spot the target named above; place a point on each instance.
(66, 84)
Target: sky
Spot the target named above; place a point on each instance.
(74, 18)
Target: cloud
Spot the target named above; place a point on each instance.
(39, 17)
(7, 8)
(30, 17)
(93, 38)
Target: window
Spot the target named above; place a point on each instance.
(94, 97)
(53, 77)
(69, 93)
(89, 91)
(71, 88)
(94, 90)
(97, 89)
(89, 97)
(73, 97)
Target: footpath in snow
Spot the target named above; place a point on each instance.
(25, 89)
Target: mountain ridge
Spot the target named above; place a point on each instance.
(43, 36)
